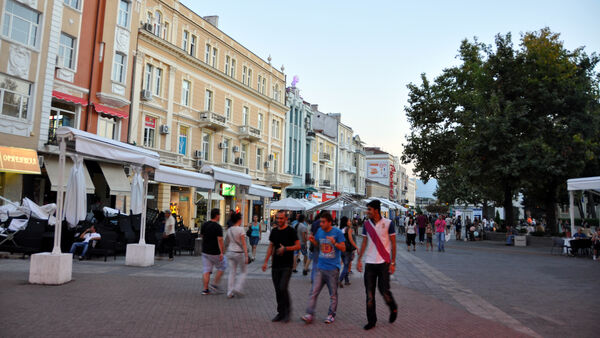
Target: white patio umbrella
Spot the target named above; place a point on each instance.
(137, 191)
(75, 195)
(291, 204)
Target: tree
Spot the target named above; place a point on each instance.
(506, 120)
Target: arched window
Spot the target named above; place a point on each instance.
(158, 23)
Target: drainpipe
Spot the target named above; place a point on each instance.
(99, 18)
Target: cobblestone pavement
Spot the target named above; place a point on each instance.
(471, 290)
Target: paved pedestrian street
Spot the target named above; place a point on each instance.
(471, 290)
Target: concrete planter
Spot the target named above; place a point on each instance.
(520, 240)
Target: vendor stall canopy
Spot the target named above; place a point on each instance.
(227, 176)
(584, 183)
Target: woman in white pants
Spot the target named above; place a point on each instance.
(237, 256)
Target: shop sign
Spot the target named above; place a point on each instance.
(19, 160)
(326, 197)
(150, 122)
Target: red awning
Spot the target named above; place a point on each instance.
(70, 98)
(110, 111)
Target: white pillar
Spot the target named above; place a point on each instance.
(572, 211)
(145, 203)
(60, 196)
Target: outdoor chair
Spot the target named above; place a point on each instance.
(106, 246)
(27, 240)
(184, 241)
(559, 243)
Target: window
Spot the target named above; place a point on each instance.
(193, 46)
(158, 23)
(107, 127)
(165, 32)
(214, 57)
(258, 85)
(157, 81)
(226, 150)
(149, 18)
(185, 93)
(275, 162)
(243, 153)
(20, 23)
(264, 85)
(149, 131)
(123, 16)
(259, 159)
(72, 3)
(275, 127)
(66, 51)
(148, 77)
(207, 53)
(119, 68)
(228, 109)
(260, 121)
(249, 83)
(186, 37)
(61, 114)
(227, 60)
(276, 92)
(183, 140)
(205, 146)
(14, 95)
(244, 71)
(232, 72)
(208, 100)
(245, 116)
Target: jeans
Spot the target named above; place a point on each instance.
(281, 281)
(235, 284)
(347, 259)
(83, 245)
(315, 260)
(329, 278)
(421, 234)
(441, 238)
(509, 239)
(378, 275)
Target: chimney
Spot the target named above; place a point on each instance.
(213, 20)
(314, 107)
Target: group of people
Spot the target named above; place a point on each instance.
(425, 228)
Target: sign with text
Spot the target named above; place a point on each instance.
(19, 160)
(377, 169)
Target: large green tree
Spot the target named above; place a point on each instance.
(506, 120)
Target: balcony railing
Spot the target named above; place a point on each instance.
(310, 134)
(324, 156)
(325, 183)
(249, 133)
(308, 180)
(278, 178)
(212, 120)
(352, 169)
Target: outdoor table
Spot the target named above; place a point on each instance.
(575, 244)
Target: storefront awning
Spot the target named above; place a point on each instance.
(110, 111)
(69, 98)
(227, 176)
(19, 160)
(94, 145)
(184, 178)
(214, 197)
(115, 177)
(260, 190)
(51, 165)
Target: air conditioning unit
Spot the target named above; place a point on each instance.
(267, 164)
(235, 149)
(198, 163)
(221, 145)
(238, 161)
(148, 27)
(198, 154)
(164, 129)
(271, 157)
(146, 95)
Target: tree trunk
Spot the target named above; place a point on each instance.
(590, 206)
(579, 206)
(551, 214)
(508, 207)
(485, 207)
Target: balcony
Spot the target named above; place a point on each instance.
(274, 178)
(325, 184)
(344, 167)
(352, 169)
(212, 120)
(249, 133)
(308, 180)
(324, 157)
(310, 135)
(343, 145)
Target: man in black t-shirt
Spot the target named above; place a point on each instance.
(283, 242)
(212, 252)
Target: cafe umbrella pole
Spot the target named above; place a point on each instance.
(60, 196)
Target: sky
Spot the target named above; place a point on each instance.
(356, 57)
(426, 190)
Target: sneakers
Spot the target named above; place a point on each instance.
(304, 272)
(205, 292)
(214, 288)
(307, 318)
(340, 285)
(330, 319)
(369, 326)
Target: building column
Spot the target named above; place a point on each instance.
(172, 73)
(135, 119)
(163, 201)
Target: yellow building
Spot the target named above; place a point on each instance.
(201, 98)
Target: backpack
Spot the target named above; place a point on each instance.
(349, 246)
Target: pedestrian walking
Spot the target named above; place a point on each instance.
(379, 241)
(421, 223)
(411, 234)
(458, 227)
(168, 235)
(440, 231)
(429, 237)
(237, 256)
(255, 234)
(331, 243)
(283, 241)
(348, 255)
(302, 232)
(212, 252)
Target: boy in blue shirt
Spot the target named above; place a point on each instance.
(330, 244)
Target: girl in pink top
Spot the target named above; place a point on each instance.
(440, 231)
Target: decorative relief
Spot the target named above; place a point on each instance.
(19, 60)
(65, 74)
(31, 3)
(122, 40)
(118, 89)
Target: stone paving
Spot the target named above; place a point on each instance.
(471, 290)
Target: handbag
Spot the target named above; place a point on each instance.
(249, 231)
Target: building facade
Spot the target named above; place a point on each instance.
(201, 98)
(385, 168)
(411, 196)
(325, 151)
(346, 174)
(360, 163)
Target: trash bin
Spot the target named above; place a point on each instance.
(198, 247)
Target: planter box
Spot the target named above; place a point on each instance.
(520, 240)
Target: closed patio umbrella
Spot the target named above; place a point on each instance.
(75, 196)
(137, 191)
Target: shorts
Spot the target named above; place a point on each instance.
(302, 249)
(430, 240)
(212, 261)
(254, 240)
(410, 239)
